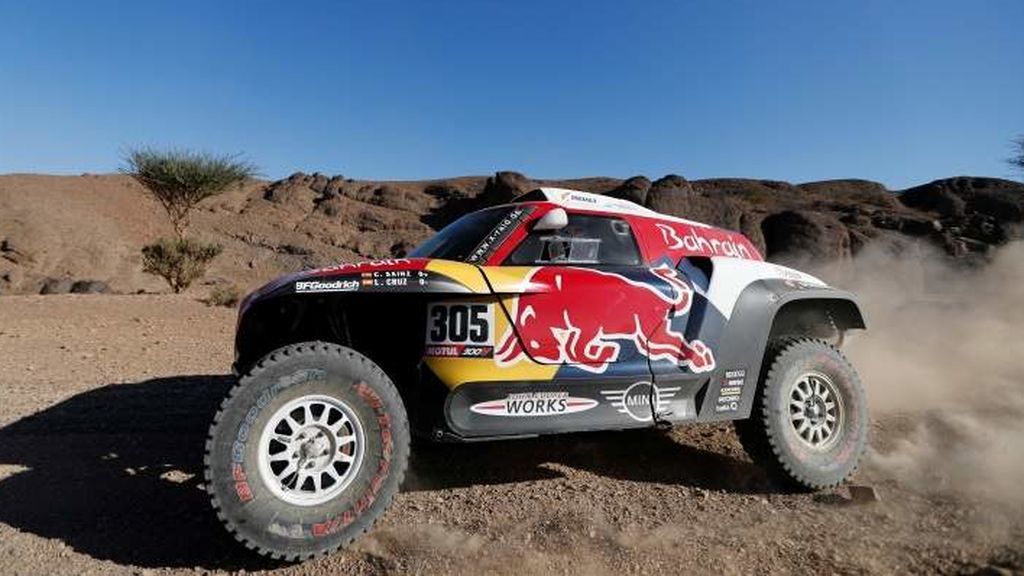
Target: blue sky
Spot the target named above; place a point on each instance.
(901, 92)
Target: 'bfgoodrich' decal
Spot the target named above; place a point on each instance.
(534, 404)
(327, 285)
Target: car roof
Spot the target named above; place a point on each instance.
(579, 200)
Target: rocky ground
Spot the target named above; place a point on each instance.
(105, 400)
(84, 233)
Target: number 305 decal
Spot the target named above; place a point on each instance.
(460, 329)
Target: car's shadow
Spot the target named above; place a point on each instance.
(116, 472)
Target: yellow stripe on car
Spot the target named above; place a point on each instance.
(466, 274)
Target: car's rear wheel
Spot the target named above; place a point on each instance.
(808, 426)
(307, 451)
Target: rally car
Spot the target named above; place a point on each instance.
(560, 312)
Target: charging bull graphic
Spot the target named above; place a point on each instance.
(561, 327)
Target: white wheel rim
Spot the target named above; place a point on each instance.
(310, 450)
(816, 410)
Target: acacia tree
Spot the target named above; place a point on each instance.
(179, 180)
(1017, 160)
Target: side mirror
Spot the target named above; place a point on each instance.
(555, 219)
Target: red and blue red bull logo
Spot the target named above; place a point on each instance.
(562, 326)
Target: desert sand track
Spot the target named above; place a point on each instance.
(105, 401)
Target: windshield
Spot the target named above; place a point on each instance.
(474, 237)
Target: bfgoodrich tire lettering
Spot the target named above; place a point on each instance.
(776, 435)
(241, 495)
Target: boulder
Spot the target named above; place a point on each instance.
(769, 195)
(450, 202)
(504, 187)
(90, 287)
(851, 190)
(318, 182)
(334, 187)
(669, 195)
(445, 191)
(975, 213)
(396, 198)
(634, 189)
(675, 196)
(293, 191)
(793, 234)
(956, 197)
(936, 199)
(56, 286)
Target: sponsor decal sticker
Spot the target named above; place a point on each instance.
(581, 198)
(327, 285)
(242, 488)
(459, 351)
(498, 235)
(393, 278)
(711, 243)
(557, 326)
(367, 264)
(534, 404)
(636, 400)
(460, 330)
(730, 391)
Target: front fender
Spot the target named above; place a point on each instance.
(321, 304)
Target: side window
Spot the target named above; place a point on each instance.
(698, 269)
(586, 240)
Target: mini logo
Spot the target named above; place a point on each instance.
(330, 286)
(635, 401)
(534, 404)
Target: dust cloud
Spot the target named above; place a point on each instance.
(943, 365)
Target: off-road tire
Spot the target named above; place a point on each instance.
(771, 438)
(243, 498)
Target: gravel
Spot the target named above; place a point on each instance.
(105, 400)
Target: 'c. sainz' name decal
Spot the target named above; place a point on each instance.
(534, 404)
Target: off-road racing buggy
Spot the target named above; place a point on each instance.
(560, 312)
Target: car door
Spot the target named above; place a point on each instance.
(689, 324)
(581, 298)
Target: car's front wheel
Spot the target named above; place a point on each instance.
(809, 422)
(307, 451)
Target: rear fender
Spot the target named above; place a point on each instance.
(765, 310)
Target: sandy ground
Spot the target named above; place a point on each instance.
(105, 401)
